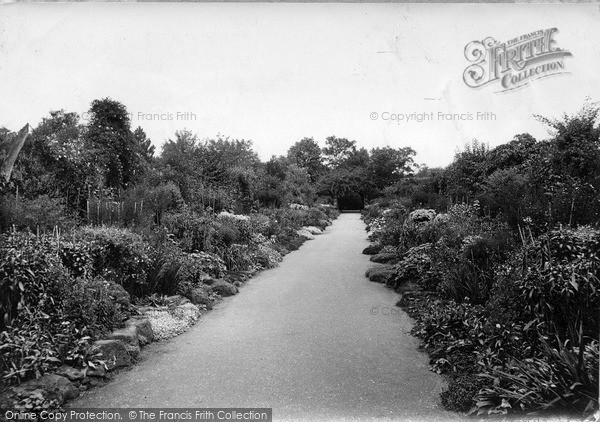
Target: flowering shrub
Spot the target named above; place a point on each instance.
(264, 254)
(388, 229)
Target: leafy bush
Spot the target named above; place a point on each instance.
(316, 217)
(553, 381)
(118, 255)
(264, 254)
(237, 258)
(41, 213)
(77, 257)
(26, 264)
(561, 280)
(261, 224)
(164, 269)
(89, 302)
(194, 232)
(370, 212)
(414, 264)
(175, 272)
(470, 271)
(388, 228)
(192, 272)
(50, 316)
(27, 350)
(330, 211)
(210, 264)
(534, 341)
(59, 330)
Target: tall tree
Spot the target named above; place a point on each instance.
(306, 154)
(144, 144)
(180, 162)
(54, 160)
(338, 150)
(109, 137)
(388, 165)
(220, 155)
(466, 175)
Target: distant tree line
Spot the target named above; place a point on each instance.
(104, 159)
(525, 181)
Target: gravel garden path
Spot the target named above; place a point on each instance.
(313, 339)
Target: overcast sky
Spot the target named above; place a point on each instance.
(275, 73)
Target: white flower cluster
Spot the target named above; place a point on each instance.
(273, 257)
(375, 228)
(469, 240)
(298, 207)
(170, 323)
(421, 215)
(225, 214)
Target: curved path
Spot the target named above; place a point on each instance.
(313, 339)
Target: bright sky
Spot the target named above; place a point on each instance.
(275, 73)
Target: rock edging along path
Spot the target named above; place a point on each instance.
(312, 338)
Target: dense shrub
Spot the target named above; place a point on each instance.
(26, 264)
(520, 331)
(237, 258)
(50, 316)
(58, 293)
(318, 216)
(42, 213)
(210, 263)
(118, 255)
(264, 253)
(165, 269)
(193, 231)
(414, 264)
(470, 272)
(329, 210)
(553, 381)
(173, 271)
(559, 277)
(27, 350)
(261, 224)
(89, 302)
(388, 228)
